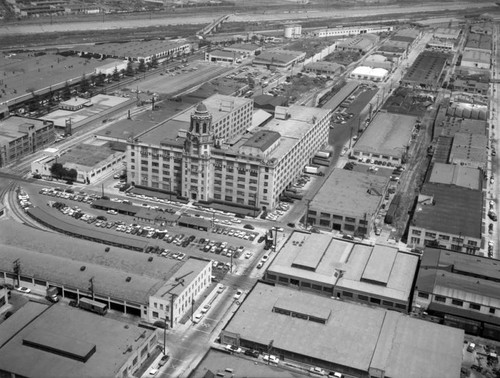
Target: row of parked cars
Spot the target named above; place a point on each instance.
(69, 194)
(220, 248)
(279, 211)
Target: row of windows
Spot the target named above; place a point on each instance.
(442, 237)
(457, 302)
(377, 301)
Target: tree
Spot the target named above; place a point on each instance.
(115, 76)
(129, 71)
(99, 80)
(57, 170)
(66, 92)
(84, 84)
(142, 66)
(72, 174)
(154, 62)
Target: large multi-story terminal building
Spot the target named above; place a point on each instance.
(208, 154)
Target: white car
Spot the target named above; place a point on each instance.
(197, 318)
(112, 212)
(317, 371)
(153, 372)
(22, 289)
(272, 359)
(205, 309)
(238, 294)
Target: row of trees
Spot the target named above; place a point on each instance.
(60, 172)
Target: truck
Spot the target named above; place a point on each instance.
(52, 294)
(311, 169)
(93, 306)
(323, 154)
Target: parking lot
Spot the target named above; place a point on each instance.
(229, 243)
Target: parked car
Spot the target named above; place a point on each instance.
(238, 294)
(252, 353)
(22, 289)
(317, 371)
(471, 347)
(249, 227)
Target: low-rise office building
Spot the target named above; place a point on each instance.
(348, 201)
(311, 329)
(176, 298)
(449, 216)
(20, 137)
(376, 275)
(386, 138)
(90, 160)
(222, 56)
(461, 289)
(74, 104)
(59, 340)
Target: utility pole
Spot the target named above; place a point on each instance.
(165, 335)
(102, 190)
(269, 349)
(91, 287)
(17, 270)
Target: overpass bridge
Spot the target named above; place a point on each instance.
(213, 26)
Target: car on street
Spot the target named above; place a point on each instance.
(233, 348)
(153, 372)
(260, 265)
(220, 288)
(264, 258)
(492, 215)
(490, 228)
(271, 358)
(249, 227)
(335, 374)
(252, 353)
(317, 371)
(205, 309)
(163, 360)
(471, 347)
(22, 289)
(197, 318)
(238, 294)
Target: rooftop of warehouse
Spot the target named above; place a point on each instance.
(447, 212)
(387, 134)
(55, 326)
(9, 127)
(350, 193)
(458, 175)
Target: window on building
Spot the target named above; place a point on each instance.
(444, 237)
(430, 234)
(474, 306)
(457, 302)
(362, 297)
(387, 303)
(350, 220)
(423, 295)
(155, 314)
(347, 294)
(375, 300)
(492, 310)
(439, 298)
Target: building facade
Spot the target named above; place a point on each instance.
(216, 161)
(178, 295)
(20, 137)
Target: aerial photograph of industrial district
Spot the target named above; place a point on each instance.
(249, 188)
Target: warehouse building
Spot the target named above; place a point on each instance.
(476, 59)
(444, 125)
(63, 341)
(354, 30)
(376, 275)
(371, 74)
(136, 51)
(20, 137)
(124, 280)
(348, 201)
(360, 44)
(395, 51)
(243, 49)
(450, 174)
(386, 138)
(469, 150)
(319, 331)
(479, 42)
(449, 216)
(324, 68)
(427, 69)
(461, 289)
(222, 56)
(250, 169)
(277, 58)
(112, 67)
(378, 61)
(447, 33)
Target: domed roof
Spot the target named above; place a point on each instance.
(201, 108)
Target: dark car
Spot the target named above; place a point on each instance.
(102, 217)
(249, 227)
(163, 360)
(252, 353)
(492, 216)
(292, 225)
(261, 239)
